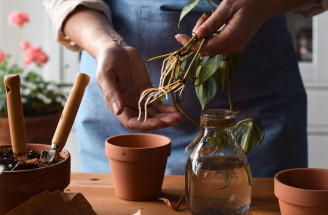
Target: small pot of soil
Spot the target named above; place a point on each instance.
(302, 191)
(138, 163)
(18, 186)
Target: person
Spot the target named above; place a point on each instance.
(118, 36)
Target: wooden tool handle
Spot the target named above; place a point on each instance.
(70, 110)
(15, 114)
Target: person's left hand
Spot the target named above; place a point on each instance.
(122, 76)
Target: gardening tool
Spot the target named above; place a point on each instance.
(16, 121)
(66, 120)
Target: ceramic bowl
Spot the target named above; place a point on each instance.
(138, 163)
(302, 191)
(18, 186)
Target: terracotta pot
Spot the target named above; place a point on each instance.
(302, 191)
(138, 163)
(39, 129)
(18, 186)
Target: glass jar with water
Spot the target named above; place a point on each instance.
(218, 177)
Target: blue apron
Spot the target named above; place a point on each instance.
(267, 84)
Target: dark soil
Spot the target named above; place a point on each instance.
(7, 159)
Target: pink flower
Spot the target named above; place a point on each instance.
(24, 45)
(2, 57)
(18, 18)
(33, 54)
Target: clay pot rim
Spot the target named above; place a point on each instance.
(300, 196)
(36, 169)
(138, 154)
(138, 134)
(276, 178)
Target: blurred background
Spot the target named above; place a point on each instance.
(310, 41)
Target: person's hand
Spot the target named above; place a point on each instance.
(242, 18)
(122, 76)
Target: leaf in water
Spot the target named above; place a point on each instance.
(227, 175)
(207, 91)
(210, 65)
(187, 8)
(249, 134)
(219, 139)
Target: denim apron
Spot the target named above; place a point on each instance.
(267, 84)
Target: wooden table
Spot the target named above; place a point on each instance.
(98, 189)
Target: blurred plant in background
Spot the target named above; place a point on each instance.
(39, 97)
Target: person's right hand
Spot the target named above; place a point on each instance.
(242, 18)
(122, 76)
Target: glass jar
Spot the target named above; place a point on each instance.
(218, 177)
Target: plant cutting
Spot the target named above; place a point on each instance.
(39, 97)
(209, 75)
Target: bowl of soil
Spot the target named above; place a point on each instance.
(138, 162)
(19, 185)
(302, 191)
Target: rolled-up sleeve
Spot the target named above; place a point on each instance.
(58, 11)
(313, 9)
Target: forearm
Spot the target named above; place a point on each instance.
(90, 30)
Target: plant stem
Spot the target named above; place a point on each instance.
(211, 6)
(187, 44)
(159, 57)
(174, 104)
(18, 44)
(193, 60)
(185, 113)
(186, 58)
(228, 80)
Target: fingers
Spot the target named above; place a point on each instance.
(240, 26)
(211, 24)
(200, 21)
(107, 83)
(159, 116)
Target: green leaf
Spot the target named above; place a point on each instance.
(187, 8)
(249, 134)
(210, 65)
(207, 91)
(223, 74)
(235, 61)
(219, 139)
(227, 175)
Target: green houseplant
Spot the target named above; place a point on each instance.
(42, 100)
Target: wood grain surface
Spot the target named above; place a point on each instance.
(98, 189)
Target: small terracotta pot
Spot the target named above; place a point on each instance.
(18, 186)
(138, 163)
(302, 191)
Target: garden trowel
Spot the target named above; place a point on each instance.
(16, 121)
(66, 120)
